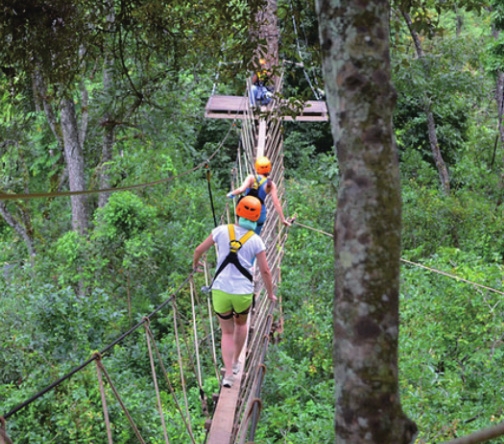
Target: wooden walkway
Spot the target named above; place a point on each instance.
(236, 107)
(221, 426)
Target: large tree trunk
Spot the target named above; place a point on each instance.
(75, 164)
(431, 124)
(355, 43)
(268, 31)
(108, 126)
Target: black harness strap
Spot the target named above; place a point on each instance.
(232, 257)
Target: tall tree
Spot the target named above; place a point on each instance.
(427, 106)
(354, 37)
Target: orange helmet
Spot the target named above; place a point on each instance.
(249, 207)
(262, 165)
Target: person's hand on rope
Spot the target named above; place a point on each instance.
(288, 222)
(230, 195)
(199, 267)
(272, 298)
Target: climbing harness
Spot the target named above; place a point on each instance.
(254, 190)
(232, 257)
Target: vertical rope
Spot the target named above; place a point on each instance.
(103, 400)
(121, 403)
(154, 378)
(179, 354)
(4, 439)
(195, 331)
(172, 391)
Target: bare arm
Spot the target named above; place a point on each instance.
(278, 206)
(201, 249)
(266, 274)
(247, 183)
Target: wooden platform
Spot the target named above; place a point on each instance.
(226, 107)
(236, 107)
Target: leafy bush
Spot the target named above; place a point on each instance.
(451, 346)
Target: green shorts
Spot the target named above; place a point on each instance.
(225, 302)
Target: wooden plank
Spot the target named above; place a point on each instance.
(221, 428)
(261, 138)
(236, 107)
(226, 107)
(313, 111)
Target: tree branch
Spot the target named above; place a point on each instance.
(479, 436)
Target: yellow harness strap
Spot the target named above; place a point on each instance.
(235, 245)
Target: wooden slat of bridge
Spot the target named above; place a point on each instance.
(235, 107)
(221, 427)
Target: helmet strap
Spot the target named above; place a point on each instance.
(248, 224)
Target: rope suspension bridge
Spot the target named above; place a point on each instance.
(230, 415)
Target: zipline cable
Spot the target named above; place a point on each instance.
(433, 270)
(28, 196)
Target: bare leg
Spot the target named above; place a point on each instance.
(240, 335)
(227, 343)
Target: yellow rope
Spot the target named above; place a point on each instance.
(172, 390)
(179, 355)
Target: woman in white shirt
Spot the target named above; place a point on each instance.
(232, 287)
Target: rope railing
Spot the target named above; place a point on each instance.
(152, 348)
(261, 320)
(260, 324)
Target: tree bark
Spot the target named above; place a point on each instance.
(431, 124)
(355, 42)
(499, 93)
(108, 127)
(75, 163)
(19, 227)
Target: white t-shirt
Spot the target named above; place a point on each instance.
(231, 280)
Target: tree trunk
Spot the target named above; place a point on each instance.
(108, 127)
(499, 93)
(431, 125)
(355, 43)
(268, 31)
(20, 228)
(75, 163)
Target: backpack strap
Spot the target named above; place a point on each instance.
(259, 182)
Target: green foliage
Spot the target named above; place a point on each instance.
(124, 216)
(140, 245)
(296, 408)
(462, 220)
(447, 364)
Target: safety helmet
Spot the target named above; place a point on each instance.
(262, 62)
(249, 207)
(262, 165)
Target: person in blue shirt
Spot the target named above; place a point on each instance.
(260, 186)
(260, 93)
